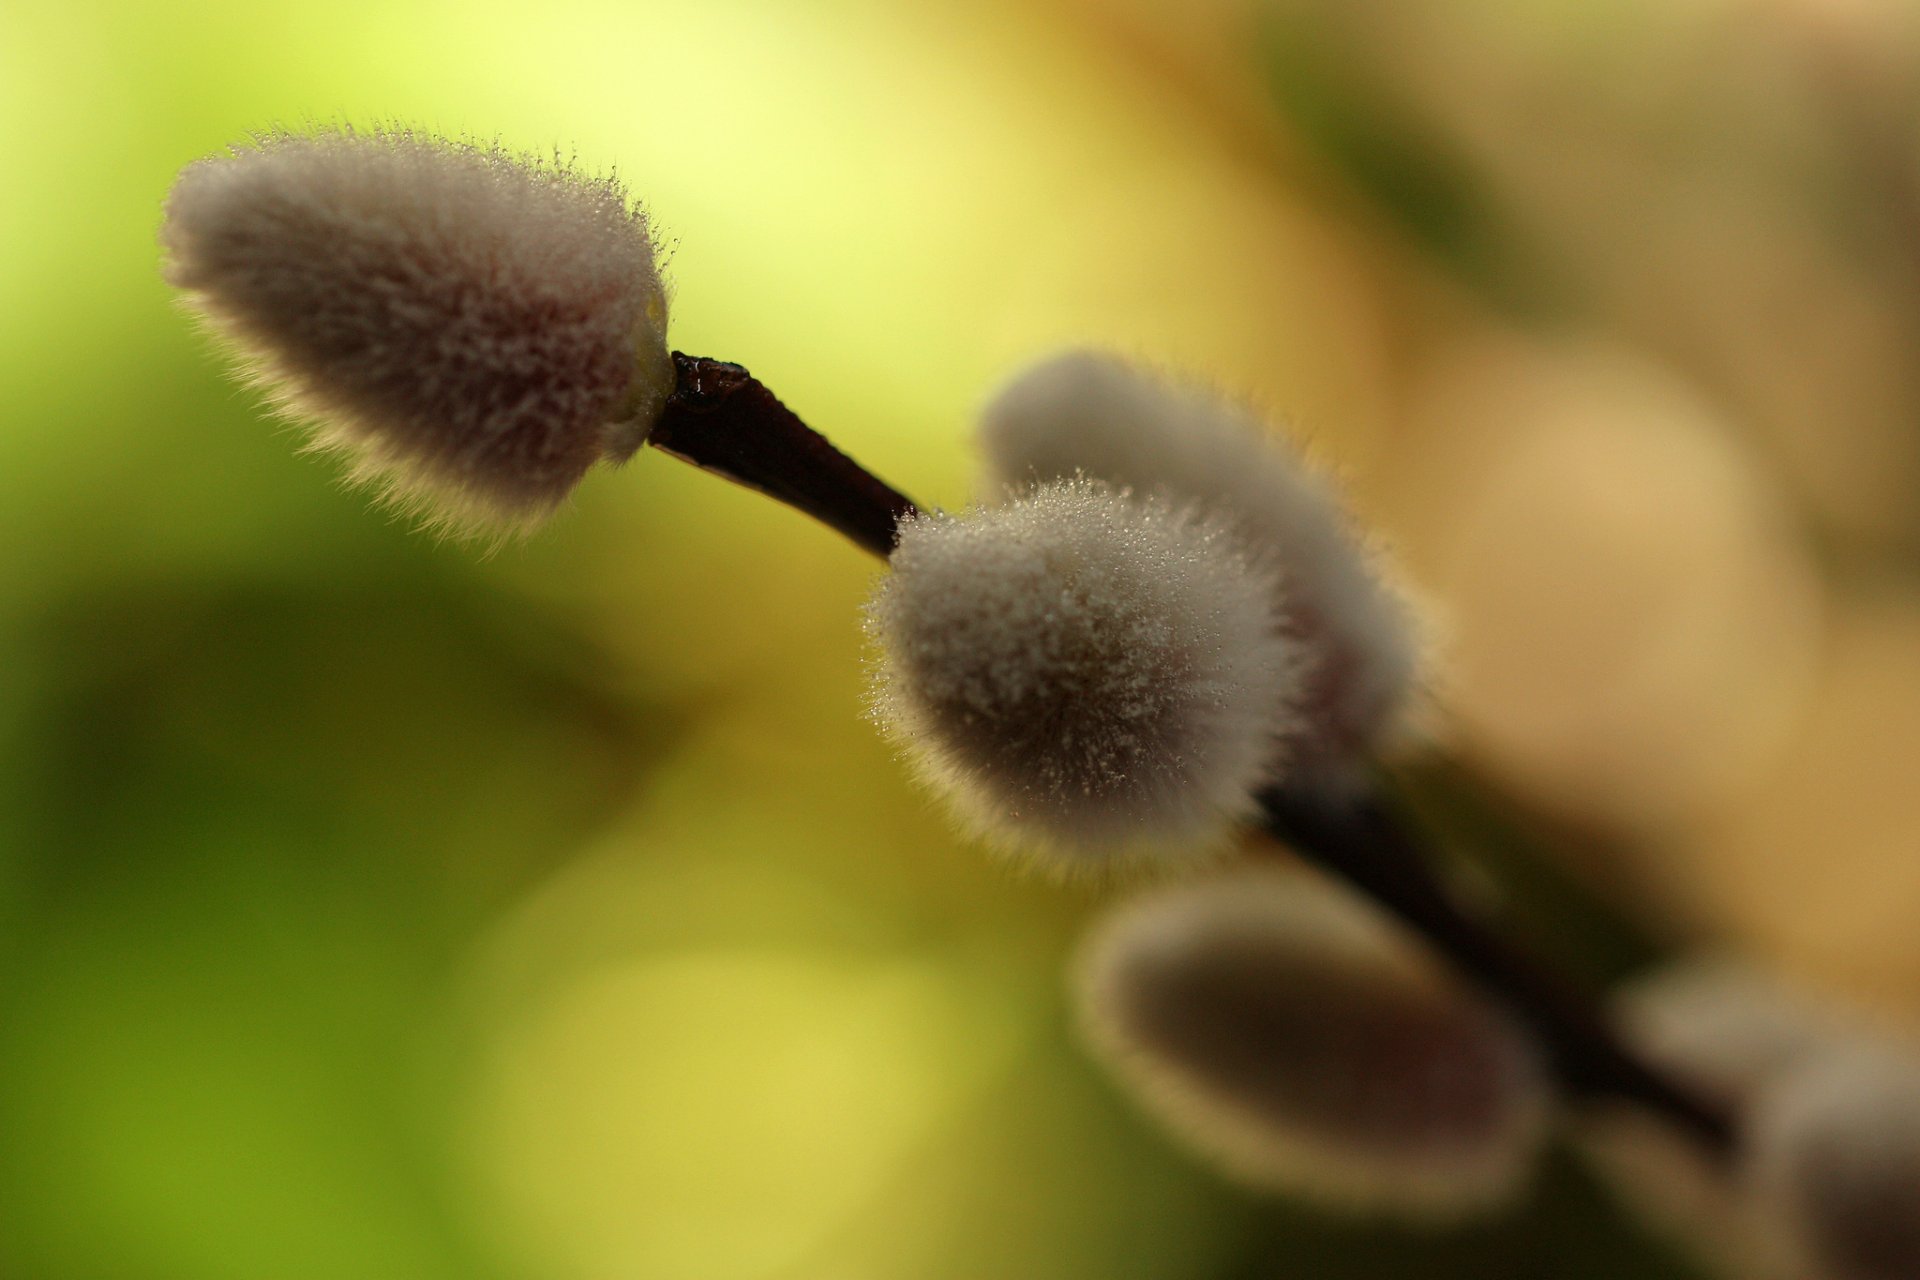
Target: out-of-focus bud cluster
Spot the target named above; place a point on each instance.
(1670, 255)
(1824, 1183)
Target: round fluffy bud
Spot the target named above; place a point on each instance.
(1083, 673)
(1085, 413)
(474, 329)
(1834, 1158)
(1285, 1029)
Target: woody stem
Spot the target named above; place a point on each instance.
(723, 420)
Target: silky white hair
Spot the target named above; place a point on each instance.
(1089, 413)
(1288, 1031)
(472, 328)
(1085, 674)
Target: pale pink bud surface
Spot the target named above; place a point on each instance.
(1288, 1031)
(1085, 675)
(1093, 414)
(474, 329)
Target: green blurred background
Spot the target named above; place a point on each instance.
(376, 907)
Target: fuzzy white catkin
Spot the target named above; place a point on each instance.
(471, 328)
(1087, 676)
(1834, 1158)
(1286, 1030)
(1094, 414)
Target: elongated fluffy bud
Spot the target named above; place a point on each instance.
(1834, 1159)
(474, 329)
(1283, 1028)
(1085, 674)
(1084, 413)
(1724, 1025)
(1735, 1034)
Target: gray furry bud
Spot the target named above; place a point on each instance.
(473, 329)
(1283, 1028)
(1724, 1026)
(1092, 414)
(1826, 1169)
(1834, 1159)
(1085, 674)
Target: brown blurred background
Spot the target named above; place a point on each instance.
(375, 907)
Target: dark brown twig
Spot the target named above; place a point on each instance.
(721, 419)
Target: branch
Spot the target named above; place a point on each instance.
(722, 419)
(1361, 840)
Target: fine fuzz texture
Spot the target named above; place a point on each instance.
(473, 329)
(1086, 675)
(1834, 1158)
(1283, 1028)
(1092, 414)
